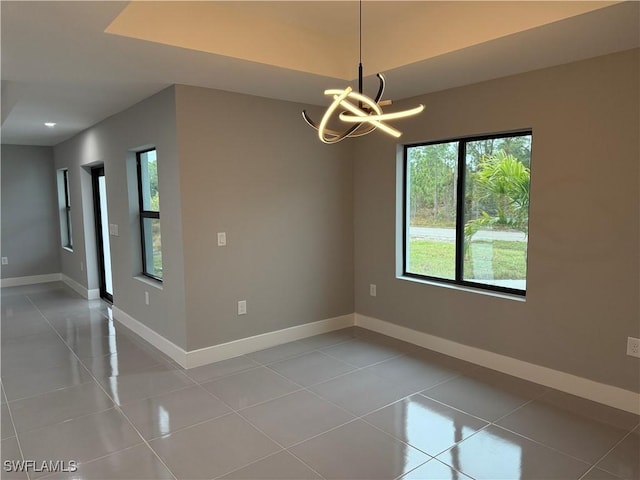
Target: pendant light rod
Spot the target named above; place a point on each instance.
(360, 86)
(364, 118)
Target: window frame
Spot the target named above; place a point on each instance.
(460, 197)
(67, 208)
(144, 214)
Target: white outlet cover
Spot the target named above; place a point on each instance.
(5, 261)
(113, 230)
(372, 290)
(633, 347)
(242, 307)
(222, 239)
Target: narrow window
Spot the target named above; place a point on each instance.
(149, 202)
(64, 207)
(466, 208)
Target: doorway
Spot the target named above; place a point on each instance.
(102, 233)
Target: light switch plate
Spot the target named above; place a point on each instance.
(222, 239)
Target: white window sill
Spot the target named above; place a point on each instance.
(149, 281)
(463, 288)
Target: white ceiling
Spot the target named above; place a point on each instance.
(76, 63)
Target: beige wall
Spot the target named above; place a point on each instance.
(30, 221)
(252, 168)
(583, 277)
(112, 143)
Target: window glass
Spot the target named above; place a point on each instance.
(467, 211)
(149, 201)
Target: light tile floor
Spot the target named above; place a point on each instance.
(349, 404)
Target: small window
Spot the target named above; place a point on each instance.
(64, 207)
(466, 211)
(149, 203)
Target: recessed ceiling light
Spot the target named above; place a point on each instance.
(49, 124)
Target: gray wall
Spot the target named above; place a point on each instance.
(112, 143)
(252, 168)
(583, 280)
(30, 221)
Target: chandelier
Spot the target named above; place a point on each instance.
(365, 117)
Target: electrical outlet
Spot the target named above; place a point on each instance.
(633, 347)
(242, 307)
(5, 260)
(82, 266)
(222, 239)
(146, 298)
(372, 290)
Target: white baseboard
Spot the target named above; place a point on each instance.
(178, 354)
(223, 351)
(566, 382)
(30, 280)
(92, 294)
(215, 353)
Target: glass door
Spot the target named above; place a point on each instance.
(102, 233)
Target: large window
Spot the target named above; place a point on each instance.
(64, 208)
(149, 201)
(466, 211)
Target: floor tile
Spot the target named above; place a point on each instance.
(129, 361)
(81, 439)
(589, 409)
(60, 405)
(358, 451)
(86, 344)
(166, 413)
(66, 322)
(279, 352)
(221, 369)
(330, 338)
(624, 459)
(495, 454)
(485, 393)
(361, 392)
(379, 339)
(10, 452)
(147, 383)
(7, 424)
(424, 424)
(26, 325)
(138, 463)
(280, 466)
(419, 370)
(16, 308)
(33, 352)
(412, 403)
(435, 470)
(361, 353)
(213, 448)
(597, 474)
(250, 387)
(311, 368)
(45, 379)
(570, 432)
(295, 417)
